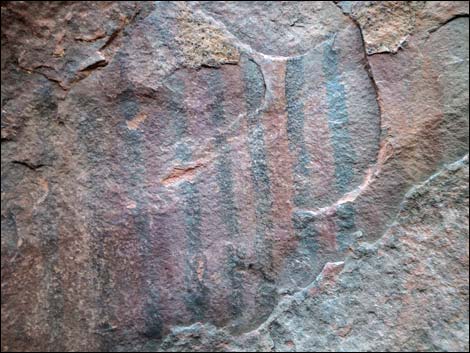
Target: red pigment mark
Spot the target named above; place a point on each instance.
(131, 205)
(44, 185)
(344, 331)
(91, 37)
(135, 123)
(327, 277)
(314, 291)
(200, 270)
(290, 344)
(331, 269)
(181, 173)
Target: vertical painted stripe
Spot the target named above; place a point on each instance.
(338, 120)
(343, 149)
(224, 156)
(49, 240)
(90, 130)
(197, 293)
(224, 167)
(295, 130)
(180, 126)
(136, 171)
(303, 224)
(236, 282)
(255, 89)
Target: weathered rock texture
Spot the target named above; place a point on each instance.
(235, 176)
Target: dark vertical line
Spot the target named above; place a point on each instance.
(153, 318)
(196, 297)
(50, 249)
(254, 93)
(224, 168)
(48, 217)
(343, 149)
(224, 160)
(136, 171)
(303, 223)
(254, 87)
(89, 130)
(295, 130)
(236, 282)
(338, 121)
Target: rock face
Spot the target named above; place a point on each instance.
(235, 176)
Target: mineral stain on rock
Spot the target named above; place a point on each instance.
(234, 176)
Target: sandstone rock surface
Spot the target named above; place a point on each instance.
(235, 176)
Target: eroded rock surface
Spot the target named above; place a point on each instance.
(234, 176)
